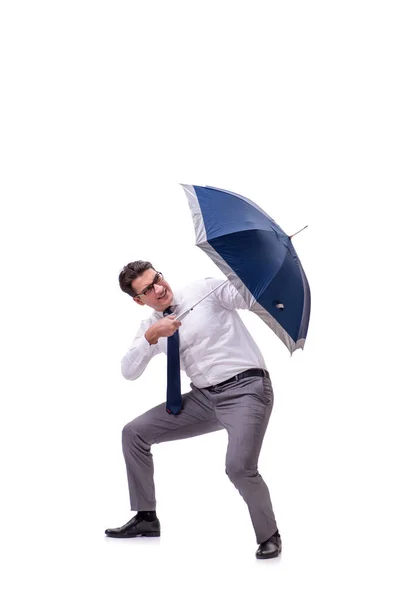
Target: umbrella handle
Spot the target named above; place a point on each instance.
(183, 315)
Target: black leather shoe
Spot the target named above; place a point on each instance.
(270, 548)
(136, 527)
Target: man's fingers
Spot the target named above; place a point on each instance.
(172, 317)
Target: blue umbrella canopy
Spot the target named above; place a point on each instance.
(256, 256)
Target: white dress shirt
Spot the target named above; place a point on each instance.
(214, 343)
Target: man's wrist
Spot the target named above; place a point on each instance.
(151, 336)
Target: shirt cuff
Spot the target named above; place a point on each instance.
(143, 347)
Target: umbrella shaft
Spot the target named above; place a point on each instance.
(184, 314)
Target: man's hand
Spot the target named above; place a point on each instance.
(165, 327)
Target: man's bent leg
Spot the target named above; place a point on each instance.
(244, 410)
(155, 426)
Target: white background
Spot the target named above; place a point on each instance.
(106, 107)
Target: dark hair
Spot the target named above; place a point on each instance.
(130, 272)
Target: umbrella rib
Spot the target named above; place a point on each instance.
(236, 230)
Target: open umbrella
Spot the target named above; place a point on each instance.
(256, 256)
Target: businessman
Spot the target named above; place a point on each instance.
(230, 389)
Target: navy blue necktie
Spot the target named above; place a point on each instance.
(174, 396)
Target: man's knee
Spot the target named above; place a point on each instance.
(234, 471)
(238, 472)
(133, 432)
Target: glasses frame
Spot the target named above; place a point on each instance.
(149, 289)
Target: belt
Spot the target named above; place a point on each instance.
(247, 373)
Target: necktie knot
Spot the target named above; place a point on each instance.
(167, 311)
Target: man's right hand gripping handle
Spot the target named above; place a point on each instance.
(165, 327)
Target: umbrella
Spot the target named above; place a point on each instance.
(256, 256)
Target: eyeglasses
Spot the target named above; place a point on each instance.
(150, 288)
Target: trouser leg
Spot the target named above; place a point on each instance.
(245, 413)
(155, 426)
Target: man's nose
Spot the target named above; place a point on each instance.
(158, 288)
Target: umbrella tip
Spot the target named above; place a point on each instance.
(290, 236)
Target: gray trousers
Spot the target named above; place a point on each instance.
(242, 408)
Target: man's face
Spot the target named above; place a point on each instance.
(158, 297)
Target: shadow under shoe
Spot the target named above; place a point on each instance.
(271, 548)
(136, 527)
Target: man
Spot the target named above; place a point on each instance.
(230, 389)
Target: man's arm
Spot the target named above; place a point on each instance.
(143, 348)
(227, 295)
(145, 345)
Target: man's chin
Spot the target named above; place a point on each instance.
(163, 303)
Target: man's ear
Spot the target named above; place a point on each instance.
(138, 301)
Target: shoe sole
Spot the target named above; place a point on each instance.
(148, 534)
(272, 555)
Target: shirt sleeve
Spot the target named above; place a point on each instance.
(139, 354)
(227, 295)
